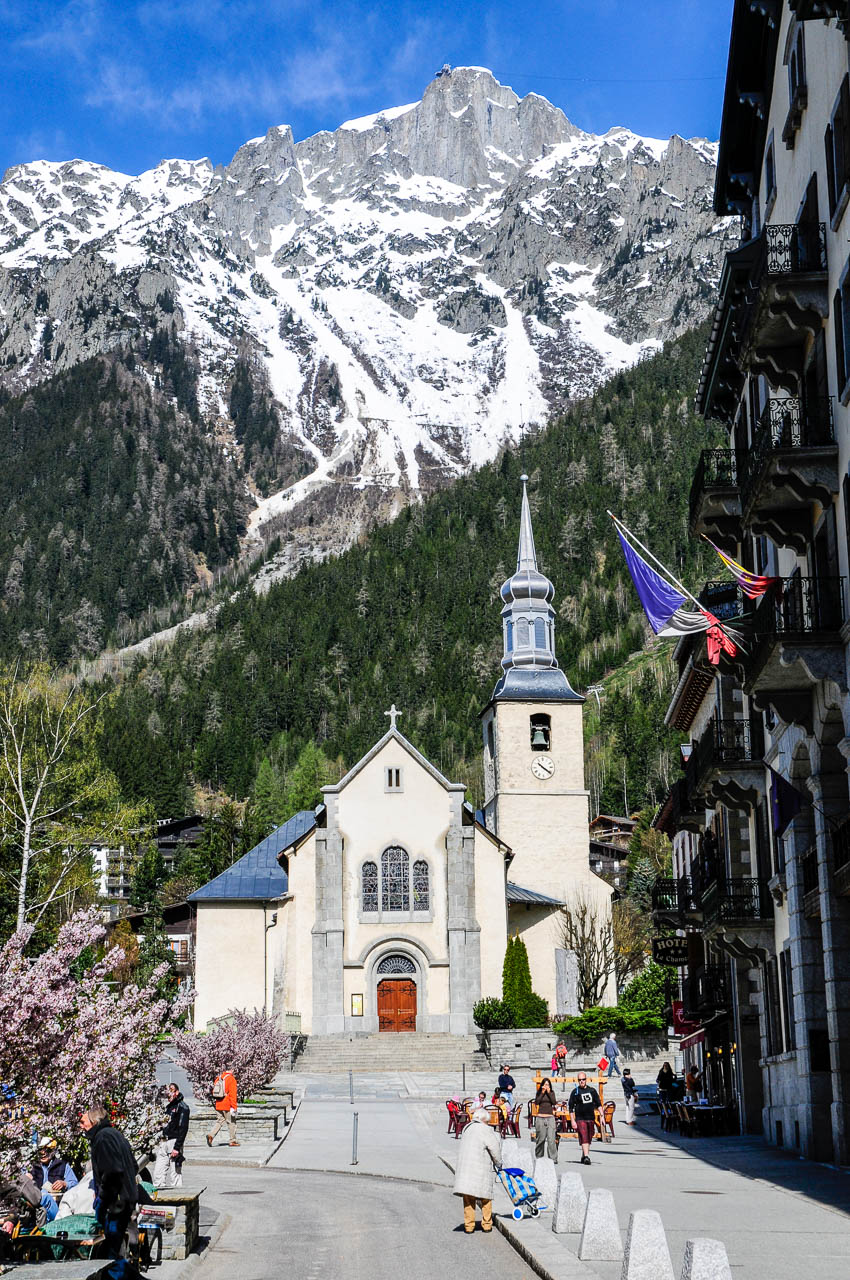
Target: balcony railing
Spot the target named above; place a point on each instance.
(717, 472)
(799, 607)
(786, 424)
(810, 882)
(795, 248)
(737, 900)
(676, 898)
(725, 744)
(708, 990)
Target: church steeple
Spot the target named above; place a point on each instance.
(528, 625)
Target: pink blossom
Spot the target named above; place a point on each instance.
(69, 1039)
(248, 1044)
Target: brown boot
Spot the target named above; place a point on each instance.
(209, 1140)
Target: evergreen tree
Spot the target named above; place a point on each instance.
(149, 878)
(313, 770)
(268, 802)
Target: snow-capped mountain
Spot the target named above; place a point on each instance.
(410, 288)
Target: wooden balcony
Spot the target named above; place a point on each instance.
(792, 465)
(715, 502)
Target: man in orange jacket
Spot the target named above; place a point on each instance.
(226, 1108)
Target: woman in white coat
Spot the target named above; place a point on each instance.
(479, 1152)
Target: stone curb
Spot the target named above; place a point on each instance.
(196, 1260)
(237, 1163)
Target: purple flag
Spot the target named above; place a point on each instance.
(785, 802)
(662, 604)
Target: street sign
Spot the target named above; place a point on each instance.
(672, 951)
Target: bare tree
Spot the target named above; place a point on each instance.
(585, 928)
(56, 798)
(632, 929)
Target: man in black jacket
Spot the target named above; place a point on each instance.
(114, 1169)
(583, 1105)
(168, 1170)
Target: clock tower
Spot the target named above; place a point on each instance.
(534, 794)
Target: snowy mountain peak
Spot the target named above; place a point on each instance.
(408, 288)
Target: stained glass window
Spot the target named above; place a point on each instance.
(421, 886)
(369, 886)
(395, 888)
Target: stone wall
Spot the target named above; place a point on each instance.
(263, 1122)
(533, 1047)
(180, 1235)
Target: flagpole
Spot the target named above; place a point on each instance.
(619, 524)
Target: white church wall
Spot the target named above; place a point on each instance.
(229, 959)
(298, 966)
(490, 912)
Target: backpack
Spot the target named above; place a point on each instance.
(218, 1089)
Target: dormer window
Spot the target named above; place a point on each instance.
(393, 779)
(541, 732)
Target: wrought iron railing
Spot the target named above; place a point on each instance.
(724, 744)
(716, 469)
(798, 606)
(675, 897)
(736, 900)
(795, 248)
(786, 424)
(708, 989)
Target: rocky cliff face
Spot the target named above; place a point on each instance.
(409, 289)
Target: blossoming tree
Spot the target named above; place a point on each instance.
(69, 1039)
(248, 1044)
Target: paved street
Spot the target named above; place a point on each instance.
(316, 1225)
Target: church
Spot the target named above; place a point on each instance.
(390, 906)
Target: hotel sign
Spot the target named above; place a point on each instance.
(673, 951)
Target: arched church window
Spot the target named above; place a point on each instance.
(421, 886)
(539, 633)
(369, 886)
(522, 633)
(395, 879)
(395, 964)
(509, 644)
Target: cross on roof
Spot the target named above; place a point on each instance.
(393, 714)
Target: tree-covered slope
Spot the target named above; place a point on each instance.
(411, 615)
(114, 495)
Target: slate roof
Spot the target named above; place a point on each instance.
(515, 893)
(257, 876)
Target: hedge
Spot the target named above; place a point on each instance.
(595, 1024)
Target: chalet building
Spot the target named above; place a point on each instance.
(761, 858)
(610, 841)
(114, 868)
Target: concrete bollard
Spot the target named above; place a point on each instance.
(647, 1256)
(524, 1157)
(571, 1202)
(546, 1181)
(705, 1260)
(600, 1234)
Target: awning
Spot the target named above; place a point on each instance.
(696, 1037)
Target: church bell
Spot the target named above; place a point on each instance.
(539, 738)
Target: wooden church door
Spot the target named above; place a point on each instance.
(396, 1005)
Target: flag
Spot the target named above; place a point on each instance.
(785, 802)
(662, 604)
(753, 585)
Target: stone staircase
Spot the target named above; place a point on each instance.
(390, 1051)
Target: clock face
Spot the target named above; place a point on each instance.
(543, 767)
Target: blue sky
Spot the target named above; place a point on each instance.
(131, 82)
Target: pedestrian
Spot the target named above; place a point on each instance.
(479, 1155)
(507, 1084)
(545, 1122)
(561, 1055)
(612, 1053)
(630, 1091)
(664, 1081)
(554, 1064)
(114, 1171)
(168, 1167)
(583, 1105)
(693, 1084)
(53, 1171)
(224, 1099)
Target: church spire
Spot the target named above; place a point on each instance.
(528, 624)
